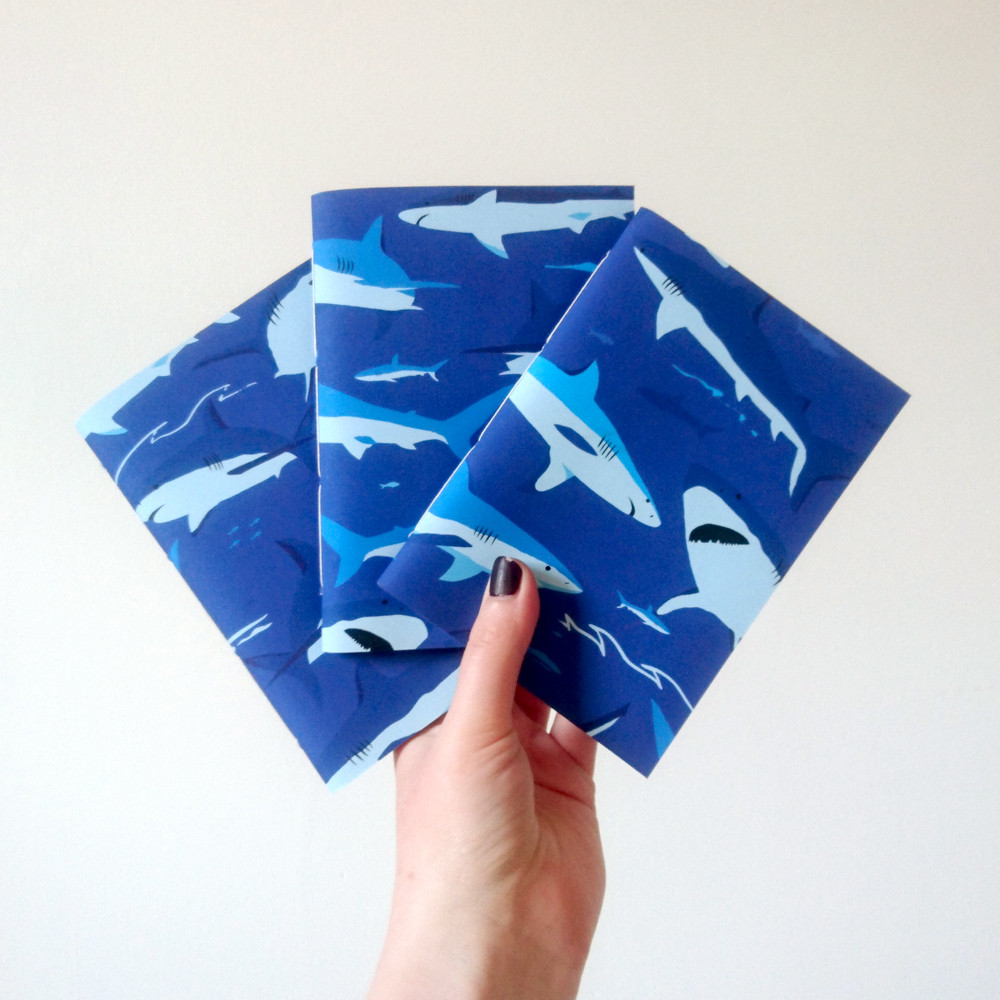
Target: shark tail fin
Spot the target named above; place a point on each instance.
(460, 429)
(351, 548)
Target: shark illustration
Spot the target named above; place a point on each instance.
(733, 574)
(646, 615)
(371, 634)
(394, 371)
(677, 313)
(353, 549)
(490, 220)
(361, 273)
(481, 534)
(290, 332)
(99, 419)
(582, 440)
(358, 425)
(196, 493)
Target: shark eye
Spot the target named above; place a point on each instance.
(575, 438)
(369, 640)
(717, 533)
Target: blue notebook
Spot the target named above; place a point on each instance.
(429, 304)
(214, 447)
(659, 465)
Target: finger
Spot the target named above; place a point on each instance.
(581, 747)
(500, 636)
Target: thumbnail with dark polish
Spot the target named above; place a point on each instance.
(505, 578)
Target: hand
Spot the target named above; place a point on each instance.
(499, 870)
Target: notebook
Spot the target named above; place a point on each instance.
(429, 304)
(214, 447)
(660, 465)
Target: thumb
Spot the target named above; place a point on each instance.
(500, 636)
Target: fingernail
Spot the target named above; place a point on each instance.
(505, 578)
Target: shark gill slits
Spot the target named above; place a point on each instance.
(717, 533)
(369, 640)
(575, 438)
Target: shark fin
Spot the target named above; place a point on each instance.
(462, 568)
(355, 448)
(493, 241)
(374, 235)
(554, 475)
(578, 220)
(490, 198)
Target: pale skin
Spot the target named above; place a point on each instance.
(499, 869)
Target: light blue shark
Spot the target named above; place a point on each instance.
(194, 494)
(582, 440)
(358, 425)
(290, 332)
(733, 574)
(675, 312)
(394, 371)
(360, 273)
(482, 533)
(99, 419)
(646, 615)
(353, 549)
(490, 220)
(369, 634)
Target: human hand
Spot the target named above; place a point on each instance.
(499, 870)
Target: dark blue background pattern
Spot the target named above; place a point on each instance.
(675, 409)
(497, 306)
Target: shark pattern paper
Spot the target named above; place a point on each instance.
(429, 304)
(214, 446)
(659, 465)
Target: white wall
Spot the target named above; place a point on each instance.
(825, 826)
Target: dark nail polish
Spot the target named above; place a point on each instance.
(505, 578)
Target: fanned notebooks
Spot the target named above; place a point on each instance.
(659, 466)
(429, 304)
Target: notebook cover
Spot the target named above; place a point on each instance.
(214, 447)
(660, 466)
(429, 304)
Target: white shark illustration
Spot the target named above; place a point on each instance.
(490, 220)
(360, 273)
(358, 425)
(482, 533)
(394, 371)
(290, 332)
(196, 493)
(428, 707)
(99, 419)
(582, 440)
(733, 574)
(677, 313)
(370, 634)
(353, 550)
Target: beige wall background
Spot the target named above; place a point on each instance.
(826, 824)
